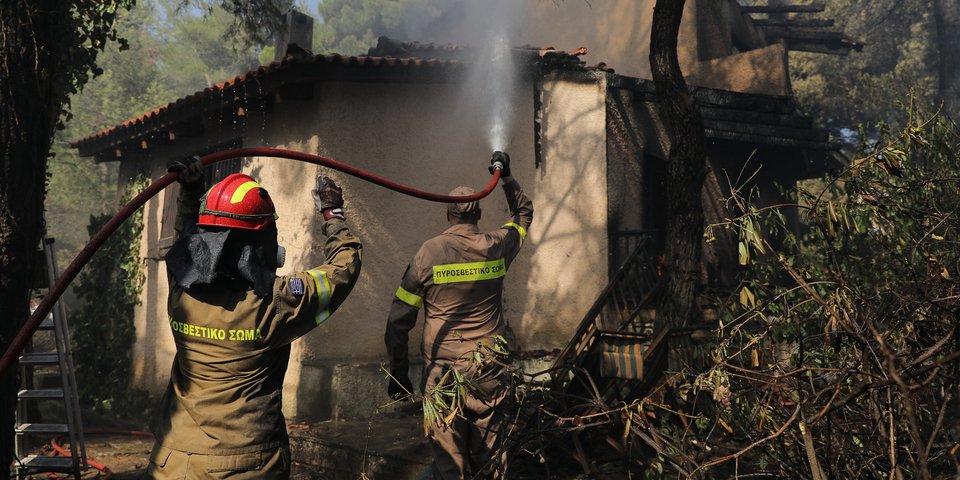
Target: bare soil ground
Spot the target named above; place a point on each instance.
(124, 455)
(122, 445)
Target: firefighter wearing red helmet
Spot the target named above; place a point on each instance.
(228, 204)
(233, 320)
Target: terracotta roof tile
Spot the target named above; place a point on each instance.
(447, 58)
(271, 68)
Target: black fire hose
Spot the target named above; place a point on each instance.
(69, 273)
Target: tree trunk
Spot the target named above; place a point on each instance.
(686, 170)
(947, 13)
(28, 113)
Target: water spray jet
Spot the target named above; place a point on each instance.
(502, 80)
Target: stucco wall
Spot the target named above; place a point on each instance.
(763, 71)
(154, 350)
(420, 135)
(568, 266)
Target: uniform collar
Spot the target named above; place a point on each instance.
(462, 228)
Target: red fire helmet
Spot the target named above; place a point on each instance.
(237, 201)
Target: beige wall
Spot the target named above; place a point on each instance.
(419, 135)
(154, 349)
(762, 71)
(568, 264)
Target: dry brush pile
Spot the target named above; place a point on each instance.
(837, 356)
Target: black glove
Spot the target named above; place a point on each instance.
(187, 173)
(399, 385)
(501, 160)
(328, 197)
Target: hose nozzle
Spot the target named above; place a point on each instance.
(500, 161)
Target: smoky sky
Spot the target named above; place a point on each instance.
(468, 22)
(491, 28)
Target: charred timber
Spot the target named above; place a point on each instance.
(813, 135)
(730, 115)
(745, 101)
(827, 49)
(766, 140)
(799, 23)
(836, 43)
(810, 35)
(786, 8)
(709, 97)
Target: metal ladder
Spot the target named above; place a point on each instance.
(28, 396)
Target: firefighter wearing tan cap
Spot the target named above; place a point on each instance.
(457, 277)
(233, 321)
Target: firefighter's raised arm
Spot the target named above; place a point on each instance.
(190, 178)
(342, 250)
(309, 298)
(521, 208)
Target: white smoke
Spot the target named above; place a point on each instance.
(489, 29)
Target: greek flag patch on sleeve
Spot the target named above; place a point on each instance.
(296, 287)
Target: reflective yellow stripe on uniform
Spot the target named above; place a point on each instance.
(242, 190)
(323, 294)
(522, 231)
(468, 272)
(412, 299)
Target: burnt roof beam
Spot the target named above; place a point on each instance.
(811, 135)
(807, 35)
(795, 22)
(827, 48)
(836, 43)
(813, 7)
(709, 97)
(748, 138)
(747, 116)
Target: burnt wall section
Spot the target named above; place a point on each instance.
(753, 141)
(637, 146)
(627, 193)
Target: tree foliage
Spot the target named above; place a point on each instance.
(48, 50)
(255, 21)
(104, 332)
(169, 56)
(82, 30)
(351, 27)
(899, 59)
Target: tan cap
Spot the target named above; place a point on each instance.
(459, 209)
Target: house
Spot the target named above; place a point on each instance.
(587, 143)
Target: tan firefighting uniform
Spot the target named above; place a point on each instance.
(220, 416)
(458, 278)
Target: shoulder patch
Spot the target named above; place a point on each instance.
(296, 287)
